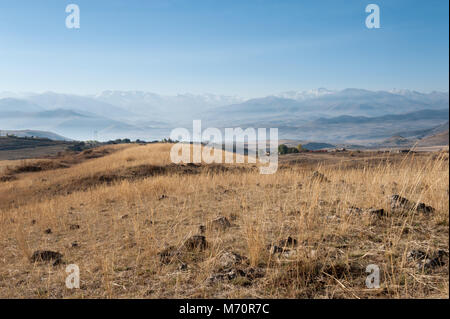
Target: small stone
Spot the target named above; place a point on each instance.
(425, 209)
(196, 242)
(274, 249)
(377, 212)
(74, 226)
(229, 259)
(74, 245)
(221, 223)
(167, 255)
(48, 231)
(288, 242)
(46, 255)
(183, 267)
(416, 255)
(400, 203)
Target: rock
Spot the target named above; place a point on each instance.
(74, 226)
(249, 274)
(274, 249)
(425, 209)
(372, 211)
(74, 245)
(163, 196)
(46, 255)
(167, 255)
(283, 246)
(124, 216)
(48, 231)
(230, 259)
(221, 223)
(196, 242)
(416, 255)
(399, 203)
(222, 276)
(426, 261)
(288, 242)
(183, 267)
(202, 229)
(377, 212)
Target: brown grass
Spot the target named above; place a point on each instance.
(132, 203)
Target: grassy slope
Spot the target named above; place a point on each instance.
(125, 222)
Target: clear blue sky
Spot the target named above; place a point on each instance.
(243, 47)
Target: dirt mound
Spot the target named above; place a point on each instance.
(38, 166)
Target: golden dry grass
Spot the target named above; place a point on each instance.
(125, 222)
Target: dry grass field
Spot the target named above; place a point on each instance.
(127, 216)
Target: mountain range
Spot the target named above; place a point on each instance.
(349, 115)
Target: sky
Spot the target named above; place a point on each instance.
(248, 48)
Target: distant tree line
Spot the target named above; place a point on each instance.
(284, 149)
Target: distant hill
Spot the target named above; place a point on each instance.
(34, 133)
(396, 141)
(317, 146)
(353, 116)
(439, 139)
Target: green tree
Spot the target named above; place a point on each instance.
(282, 149)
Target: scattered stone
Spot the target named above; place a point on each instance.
(248, 274)
(425, 209)
(163, 196)
(46, 255)
(230, 259)
(74, 245)
(167, 255)
(416, 255)
(377, 212)
(202, 229)
(48, 231)
(426, 261)
(372, 211)
(74, 227)
(221, 223)
(33, 222)
(222, 276)
(183, 267)
(124, 216)
(196, 242)
(399, 203)
(275, 249)
(288, 242)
